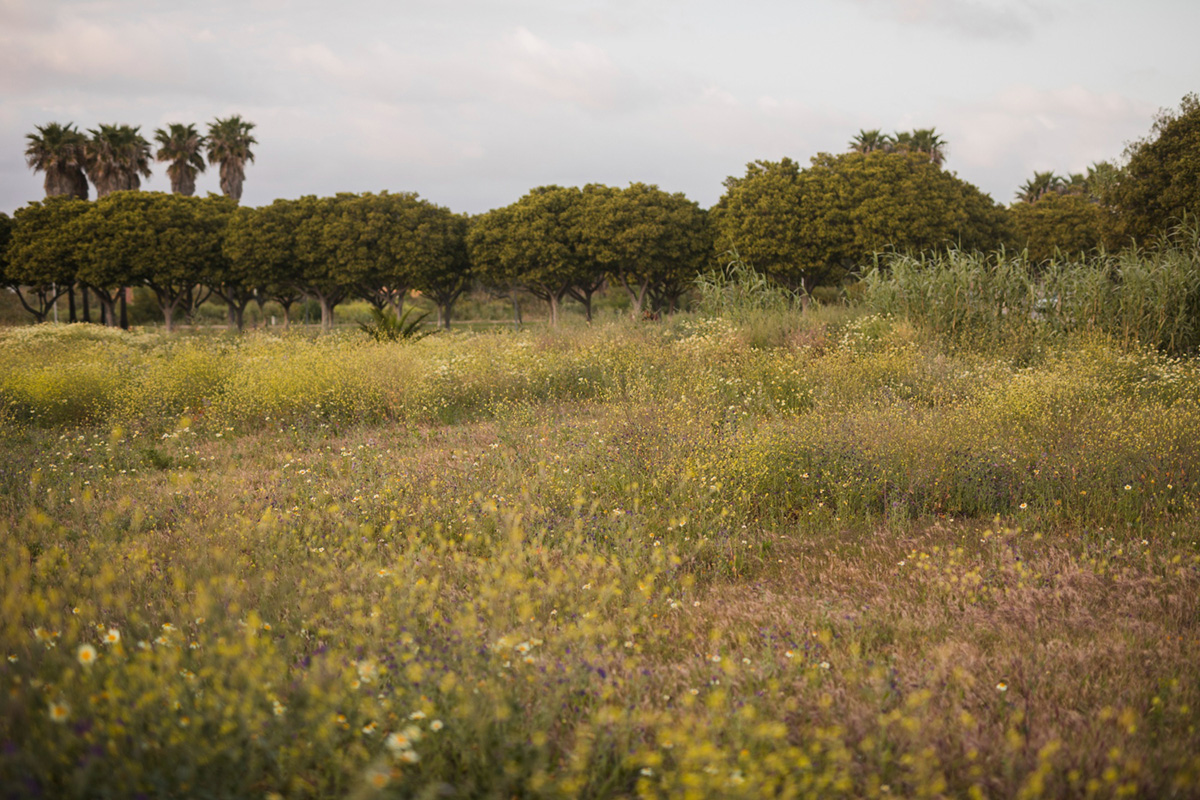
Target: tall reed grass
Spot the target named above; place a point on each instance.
(1139, 296)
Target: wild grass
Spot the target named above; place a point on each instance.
(1138, 297)
(682, 559)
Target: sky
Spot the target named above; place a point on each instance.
(471, 103)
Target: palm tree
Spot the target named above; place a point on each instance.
(116, 156)
(229, 143)
(1076, 183)
(58, 151)
(870, 141)
(927, 140)
(181, 145)
(901, 142)
(1040, 185)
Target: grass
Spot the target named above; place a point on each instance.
(796, 555)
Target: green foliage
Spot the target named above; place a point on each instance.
(60, 151)
(6, 229)
(385, 327)
(810, 227)
(534, 243)
(228, 143)
(116, 158)
(652, 242)
(1140, 297)
(1057, 224)
(1160, 183)
(737, 291)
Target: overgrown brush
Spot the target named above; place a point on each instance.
(1140, 297)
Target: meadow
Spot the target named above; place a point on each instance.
(773, 554)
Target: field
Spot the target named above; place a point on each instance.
(796, 555)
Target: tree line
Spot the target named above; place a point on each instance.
(803, 226)
(116, 157)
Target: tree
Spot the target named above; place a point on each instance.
(652, 242)
(229, 142)
(532, 243)
(929, 142)
(331, 266)
(109, 238)
(415, 244)
(808, 227)
(185, 250)
(42, 258)
(1160, 183)
(163, 241)
(1040, 185)
(181, 146)
(870, 141)
(261, 259)
(439, 263)
(765, 217)
(375, 231)
(60, 152)
(1060, 222)
(116, 158)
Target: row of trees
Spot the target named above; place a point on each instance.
(803, 226)
(552, 243)
(116, 157)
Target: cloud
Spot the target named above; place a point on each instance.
(1019, 129)
(317, 57)
(580, 74)
(980, 19)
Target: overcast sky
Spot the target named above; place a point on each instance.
(473, 102)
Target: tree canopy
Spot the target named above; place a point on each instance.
(533, 243)
(806, 227)
(651, 242)
(59, 151)
(1161, 180)
(42, 259)
(228, 144)
(1059, 222)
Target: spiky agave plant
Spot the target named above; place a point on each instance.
(385, 327)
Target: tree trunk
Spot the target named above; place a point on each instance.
(636, 297)
(397, 302)
(39, 313)
(87, 309)
(71, 304)
(107, 316)
(326, 313)
(516, 303)
(124, 311)
(553, 309)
